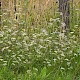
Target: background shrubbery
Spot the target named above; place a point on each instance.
(40, 52)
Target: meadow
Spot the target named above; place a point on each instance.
(32, 46)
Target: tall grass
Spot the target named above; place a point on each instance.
(32, 46)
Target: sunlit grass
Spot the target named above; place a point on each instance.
(32, 46)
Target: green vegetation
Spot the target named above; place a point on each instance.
(40, 51)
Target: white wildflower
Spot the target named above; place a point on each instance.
(63, 24)
(62, 68)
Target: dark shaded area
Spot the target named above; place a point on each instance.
(0, 13)
(15, 8)
(64, 7)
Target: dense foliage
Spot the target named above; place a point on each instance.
(40, 52)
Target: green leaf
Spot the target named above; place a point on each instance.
(43, 72)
